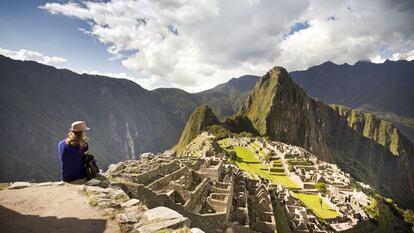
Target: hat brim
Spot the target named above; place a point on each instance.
(80, 130)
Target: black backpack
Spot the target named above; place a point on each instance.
(90, 165)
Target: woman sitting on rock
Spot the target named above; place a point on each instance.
(71, 152)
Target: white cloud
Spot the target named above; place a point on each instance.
(145, 82)
(24, 55)
(403, 56)
(409, 56)
(361, 30)
(197, 44)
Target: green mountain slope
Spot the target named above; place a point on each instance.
(38, 104)
(384, 89)
(201, 119)
(281, 110)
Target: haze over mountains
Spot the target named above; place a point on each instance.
(39, 102)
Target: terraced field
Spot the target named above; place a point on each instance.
(249, 163)
(313, 202)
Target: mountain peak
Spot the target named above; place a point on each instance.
(266, 95)
(279, 109)
(199, 121)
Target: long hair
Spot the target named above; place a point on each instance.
(77, 138)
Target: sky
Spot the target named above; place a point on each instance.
(197, 44)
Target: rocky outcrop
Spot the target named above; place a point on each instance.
(111, 202)
(160, 218)
(281, 110)
(384, 89)
(381, 131)
(202, 118)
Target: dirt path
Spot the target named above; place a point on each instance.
(58, 209)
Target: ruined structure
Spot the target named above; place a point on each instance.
(215, 195)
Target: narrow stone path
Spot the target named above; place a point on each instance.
(58, 209)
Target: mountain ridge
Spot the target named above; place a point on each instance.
(118, 104)
(290, 116)
(279, 109)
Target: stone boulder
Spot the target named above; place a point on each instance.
(162, 218)
(20, 185)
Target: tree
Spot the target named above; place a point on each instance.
(321, 187)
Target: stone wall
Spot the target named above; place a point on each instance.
(154, 174)
(213, 169)
(215, 222)
(198, 196)
(166, 180)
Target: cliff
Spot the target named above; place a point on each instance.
(359, 143)
(202, 118)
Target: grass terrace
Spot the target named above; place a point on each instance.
(313, 202)
(249, 163)
(256, 147)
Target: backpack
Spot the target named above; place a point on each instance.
(90, 165)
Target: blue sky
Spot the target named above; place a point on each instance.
(25, 26)
(197, 44)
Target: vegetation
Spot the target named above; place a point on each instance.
(218, 131)
(199, 121)
(248, 162)
(317, 205)
(261, 100)
(321, 187)
(240, 124)
(381, 131)
(388, 215)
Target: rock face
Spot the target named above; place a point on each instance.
(360, 144)
(202, 118)
(381, 131)
(385, 89)
(162, 218)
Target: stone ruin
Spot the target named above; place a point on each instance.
(212, 194)
(217, 196)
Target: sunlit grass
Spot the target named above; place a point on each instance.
(313, 202)
(249, 163)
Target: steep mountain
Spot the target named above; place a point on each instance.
(381, 131)
(384, 89)
(369, 149)
(38, 104)
(200, 120)
(228, 98)
(224, 99)
(178, 102)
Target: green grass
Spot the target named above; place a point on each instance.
(256, 147)
(313, 202)
(249, 163)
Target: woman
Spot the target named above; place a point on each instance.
(71, 152)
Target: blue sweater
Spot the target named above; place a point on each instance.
(71, 161)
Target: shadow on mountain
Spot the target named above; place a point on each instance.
(14, 222)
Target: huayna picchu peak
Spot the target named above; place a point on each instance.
(358, 142)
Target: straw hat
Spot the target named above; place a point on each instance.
(78, 126)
